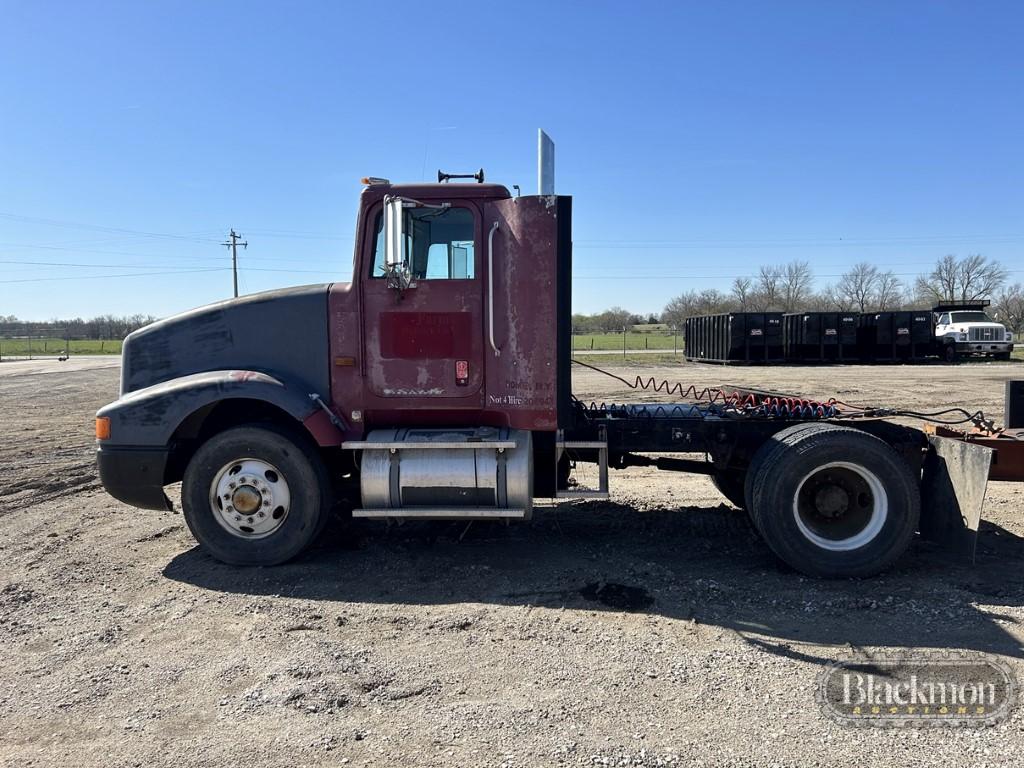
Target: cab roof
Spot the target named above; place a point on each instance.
(491, 191)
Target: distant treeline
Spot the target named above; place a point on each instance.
(864, 287)
(102, 327)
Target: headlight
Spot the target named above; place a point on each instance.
(963, 337)
(1009, 336)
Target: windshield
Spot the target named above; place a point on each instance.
(971, 317)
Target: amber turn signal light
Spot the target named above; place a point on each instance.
(102, 427)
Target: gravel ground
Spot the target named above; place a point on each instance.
(434, 644)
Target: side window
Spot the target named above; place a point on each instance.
(944, 319)
(440, 241)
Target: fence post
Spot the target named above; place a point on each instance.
(675, 342)
(623, 342)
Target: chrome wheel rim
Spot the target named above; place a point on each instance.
(840, 506)
(250, 498)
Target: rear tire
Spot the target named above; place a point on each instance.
(256, 495)
(832, 501)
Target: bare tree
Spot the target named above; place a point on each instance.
(795, 283)
(678, 309)
(766, 294)
(888, 292)
(693, 303)
(1008, 307)
(968, 279)
(742, 290)
(830, 299)
(858, 286)
(614, 319)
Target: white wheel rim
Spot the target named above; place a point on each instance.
(250, 498)
(820, 509)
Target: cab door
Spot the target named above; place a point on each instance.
(424, 342)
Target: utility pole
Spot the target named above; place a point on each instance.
(233, 245)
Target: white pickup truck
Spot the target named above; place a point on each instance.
(962, 332)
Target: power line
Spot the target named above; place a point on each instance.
(718, 277)
(98, 228)
(109, 276)
(818, 240)
(149, 255)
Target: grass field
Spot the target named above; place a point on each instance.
(630, 359)
(599, 341)
(48, 347)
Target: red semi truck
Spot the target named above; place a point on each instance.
(438, 384)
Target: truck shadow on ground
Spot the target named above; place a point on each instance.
(701, 565)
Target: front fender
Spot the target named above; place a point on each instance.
(150, 416)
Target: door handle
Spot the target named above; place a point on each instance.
(490, 288)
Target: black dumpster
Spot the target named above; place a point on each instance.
(820, 336)
(734, 337)
(888, 336)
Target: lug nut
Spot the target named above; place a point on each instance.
(238, 518)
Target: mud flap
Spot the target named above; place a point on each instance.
(952, 493)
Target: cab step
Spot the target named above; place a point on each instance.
(601, 446)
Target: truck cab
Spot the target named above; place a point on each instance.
(965, 329)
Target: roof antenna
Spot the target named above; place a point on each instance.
(443, 177)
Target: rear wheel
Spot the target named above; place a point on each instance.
(832, 501)
(256, 495)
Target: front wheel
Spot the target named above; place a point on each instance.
(833, 501)
(950, 353)
(256, 495)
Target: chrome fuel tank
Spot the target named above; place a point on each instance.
(469, 473)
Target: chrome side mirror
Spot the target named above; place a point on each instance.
(396, 262)
(394, 238)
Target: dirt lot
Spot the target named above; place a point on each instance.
(431, 644)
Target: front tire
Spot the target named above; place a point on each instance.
(950, 354)
(834, 502)
(256, 495)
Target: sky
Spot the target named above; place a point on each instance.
(699, 140)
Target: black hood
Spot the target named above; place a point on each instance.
(281, 332)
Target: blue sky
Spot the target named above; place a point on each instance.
(698, 139)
